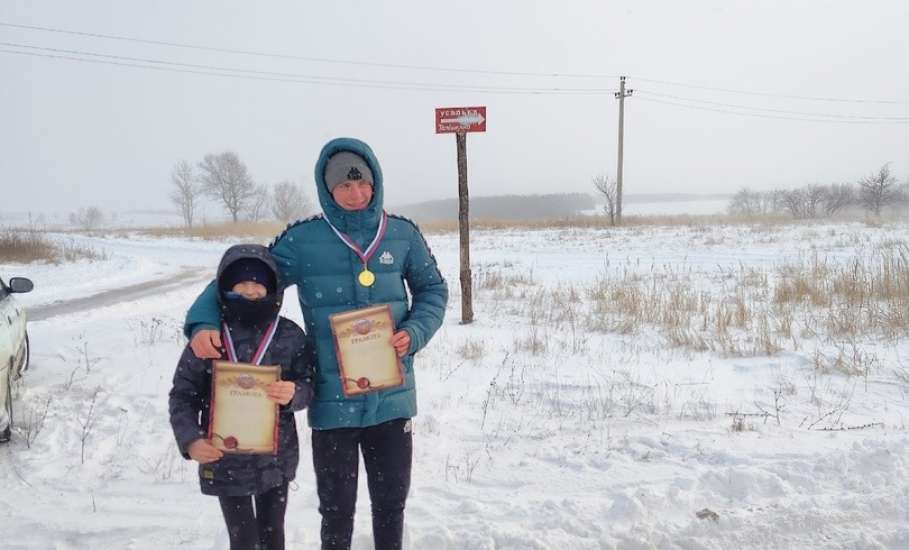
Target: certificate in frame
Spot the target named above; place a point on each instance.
(367, 361)
(243, 420)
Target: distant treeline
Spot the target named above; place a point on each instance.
(874, 193)
(502, 207)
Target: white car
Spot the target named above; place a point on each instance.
(14, 351)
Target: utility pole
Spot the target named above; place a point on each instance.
(620, 95)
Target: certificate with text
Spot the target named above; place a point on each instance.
(366, 359)
(243, 419)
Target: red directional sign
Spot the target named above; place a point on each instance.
(455, 120)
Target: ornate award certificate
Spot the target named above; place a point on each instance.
(243, 419)
(366, 359)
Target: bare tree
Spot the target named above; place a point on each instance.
(87, 218)
(773, 201)
(608, 189)
(225, 178)
(902, 193)
(813, 197)
(803, 202)
(187, 191)
(809, 201)
(289, 202)
(878, 190)
(258, 203)
(837, 197)
(793, 202)
(747, 203)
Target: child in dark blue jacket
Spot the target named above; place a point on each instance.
(249, 299)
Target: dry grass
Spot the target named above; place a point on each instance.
(536, 342)
(849, 359)
(753, 312)
(471, 350)
(732, 324)
(24, 246)
(500, 279)
(266, 230)
(244, 230)
(71, 251)
(602, 222)
(867, 293)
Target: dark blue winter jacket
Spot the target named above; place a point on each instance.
(325, 270)
(233, 474)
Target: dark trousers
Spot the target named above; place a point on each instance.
(256, 528)
(387, 453)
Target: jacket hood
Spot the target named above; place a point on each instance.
(256, 313)
(248, 251)
(343, 219)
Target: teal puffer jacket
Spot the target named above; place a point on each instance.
(325, 270)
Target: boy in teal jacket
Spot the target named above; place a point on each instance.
(352, 256)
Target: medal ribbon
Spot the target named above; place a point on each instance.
(373, 246)
(263, 345)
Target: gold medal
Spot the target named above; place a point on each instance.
(366, 277)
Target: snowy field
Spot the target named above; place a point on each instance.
(60, 220)
(615, 383)
(693, 207)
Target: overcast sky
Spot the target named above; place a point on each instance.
(77, 134)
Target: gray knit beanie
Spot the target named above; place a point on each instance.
(346, 166)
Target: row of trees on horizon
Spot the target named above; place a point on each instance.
(225, 179)
(873, 194)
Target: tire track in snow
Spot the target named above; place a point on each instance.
(118, 295)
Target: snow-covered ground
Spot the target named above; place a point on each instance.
(60, 220)
(537, 428)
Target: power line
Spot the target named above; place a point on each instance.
(771, 110)
(247, 74)
(402, 66)
(301, 57)
(773, 94)
(243, 74)
(305, 76)
(756, 115)
(250, 74)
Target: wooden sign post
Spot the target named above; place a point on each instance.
(459, 121)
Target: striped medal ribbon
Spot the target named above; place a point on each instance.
(263, 345)
(365, 277)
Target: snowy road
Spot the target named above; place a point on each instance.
(119, 295)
